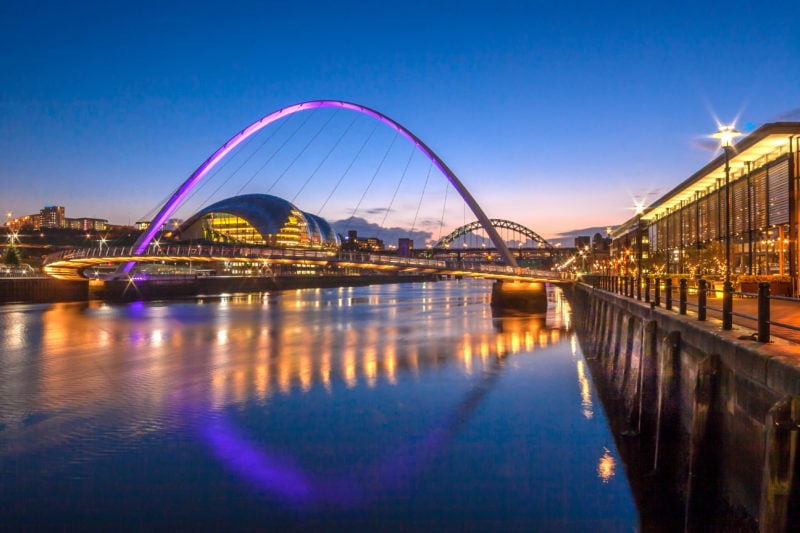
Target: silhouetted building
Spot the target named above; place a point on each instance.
(354, 244)
(582, 242)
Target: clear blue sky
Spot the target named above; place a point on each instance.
(554, 114)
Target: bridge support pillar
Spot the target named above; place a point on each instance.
(520, 296)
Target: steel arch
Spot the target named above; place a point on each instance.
(496, 223)
(172, 204)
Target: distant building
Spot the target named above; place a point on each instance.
(355, 244)
(172, 224)
(582, 242)
(405, 247)
(31, 222)
(52, 217)
(87, 224)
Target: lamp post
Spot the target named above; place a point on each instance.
(639, 206)
(726, 135)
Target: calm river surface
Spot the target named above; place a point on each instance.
(372, 408)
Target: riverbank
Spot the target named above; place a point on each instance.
(706, 412)
(49, 290)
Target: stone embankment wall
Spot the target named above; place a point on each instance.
(704, 412)
(42, 290)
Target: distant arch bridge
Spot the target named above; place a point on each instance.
(516, 229)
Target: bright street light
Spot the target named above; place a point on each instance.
(726, 135)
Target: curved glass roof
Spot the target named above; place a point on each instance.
(272, 217)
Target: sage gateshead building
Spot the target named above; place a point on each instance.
(260, 219)
(736, 216)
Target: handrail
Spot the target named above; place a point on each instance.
(624, 286)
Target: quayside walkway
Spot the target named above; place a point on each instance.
(783, 313)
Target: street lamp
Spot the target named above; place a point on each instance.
(726, 135)
(639, 206)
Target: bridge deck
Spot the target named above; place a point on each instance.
(69, 264)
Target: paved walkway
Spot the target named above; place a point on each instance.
(745, 310)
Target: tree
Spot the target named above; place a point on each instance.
(11, 257)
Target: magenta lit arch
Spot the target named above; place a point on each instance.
(172, 204)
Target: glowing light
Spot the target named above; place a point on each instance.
(606, 467)
(586, 391)
(726, 135)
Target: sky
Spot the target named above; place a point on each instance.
(556, 115)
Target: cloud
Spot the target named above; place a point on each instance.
(378, 211)
(387, 235)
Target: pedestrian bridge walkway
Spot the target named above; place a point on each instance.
(74, 263)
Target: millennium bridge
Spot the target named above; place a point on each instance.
(79, 263)
(70, 264)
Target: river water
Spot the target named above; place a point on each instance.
(393, 407)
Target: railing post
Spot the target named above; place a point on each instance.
(668, 294)
(682, 297)
(701, 299)
(727, 305)
(625, 286)
(657, 295)
(638, 287)
(763, 311)
(647, 289)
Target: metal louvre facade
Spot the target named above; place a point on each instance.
(759, 214)
(689, 228)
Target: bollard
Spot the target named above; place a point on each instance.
(682, 297)
(727, 305)
(657, 293)
(647, 289)
(763, 311)
(668, 294)
(701, 299)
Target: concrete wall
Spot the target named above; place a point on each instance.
(693, 407)
(42, 290)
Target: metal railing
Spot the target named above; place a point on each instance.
(118, 254)
(632, 288)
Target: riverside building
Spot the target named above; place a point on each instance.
(738, 214)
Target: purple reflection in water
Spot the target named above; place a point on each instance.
(279, 476)
(270, 472)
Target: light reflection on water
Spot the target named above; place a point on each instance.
(402, 404)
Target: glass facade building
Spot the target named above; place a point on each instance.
(260, 219)
(743, 206)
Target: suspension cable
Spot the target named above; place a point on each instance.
(236, 171)
(347, 170)
(310, 141)
(319, 166)
(419, 205)
(372, 180)
(402, 177)
(444, 206)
